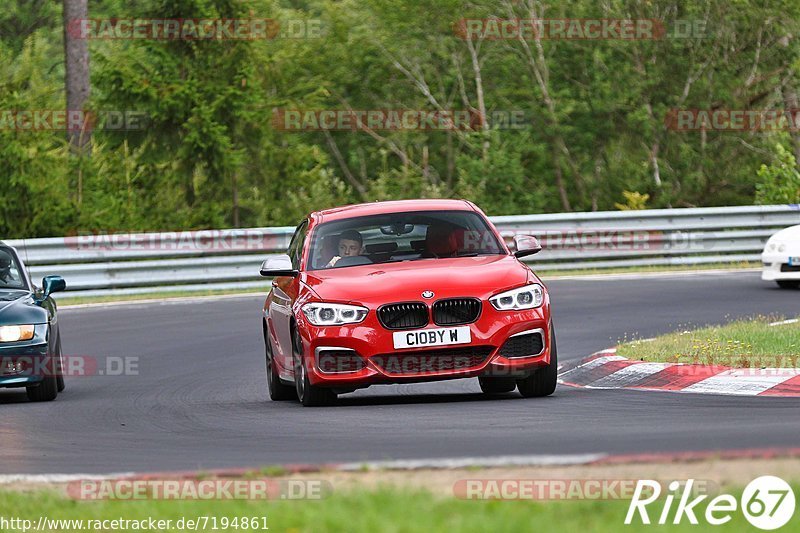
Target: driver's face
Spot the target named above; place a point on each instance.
(348, 248)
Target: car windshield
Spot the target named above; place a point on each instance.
(10, 270)
(397, 237)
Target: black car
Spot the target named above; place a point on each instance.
(30, 341)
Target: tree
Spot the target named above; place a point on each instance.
(779, 182)
(77, 85)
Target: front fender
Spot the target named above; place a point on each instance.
(24, 310)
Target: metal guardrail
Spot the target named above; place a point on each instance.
(229, 259)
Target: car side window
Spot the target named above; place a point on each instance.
(296, 245)
(10, 274)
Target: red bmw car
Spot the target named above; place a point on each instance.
(405, 291)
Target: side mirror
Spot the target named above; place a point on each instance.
(279, 265)
(51, 284)
(526, 245)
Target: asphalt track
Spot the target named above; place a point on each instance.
(199, 399)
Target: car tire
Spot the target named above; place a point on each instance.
(308, 394)
(491, 385)
(60, 385)
(278, 390)
(46, 391)
(542, 382)
(788, 284)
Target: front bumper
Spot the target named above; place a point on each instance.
(24, 364)
(371, 348)
(776, 267)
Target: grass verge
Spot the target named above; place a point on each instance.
(383, 509)
(653, 269)
(67, 299)
(750, 343)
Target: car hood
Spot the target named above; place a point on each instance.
(18, 307)
(377, 284)
(790, 235)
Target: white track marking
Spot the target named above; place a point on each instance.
(593, 364)
(7, 479)
(629, 374)
(743, 382)
(412, 464)
(477, 462)
(785, 322)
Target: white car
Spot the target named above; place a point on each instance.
(781, 258)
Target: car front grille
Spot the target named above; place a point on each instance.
(404, 315)
(456, 311)
(524, 345)
(433, 361)
(790, 268)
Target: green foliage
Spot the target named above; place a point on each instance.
(634, 201)
(501, 181)
(593, 126)
(779, 182)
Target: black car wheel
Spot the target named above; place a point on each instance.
(543, 381)
(278, 391)
(308, 394)
(788, 284)
(60, 368)
(491, 385)
(47, 390)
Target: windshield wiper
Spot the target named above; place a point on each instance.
(401, 260)
(475, 254)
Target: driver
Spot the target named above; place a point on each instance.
(351, 244)
(5, 268)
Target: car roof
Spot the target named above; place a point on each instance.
(392, 206)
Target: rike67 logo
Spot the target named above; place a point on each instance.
(767, 503)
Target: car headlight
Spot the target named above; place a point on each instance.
(776, 247)
(16, 333)
(325, 314)
(527, 297)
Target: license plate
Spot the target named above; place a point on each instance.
(432, 337)
(794, 261)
